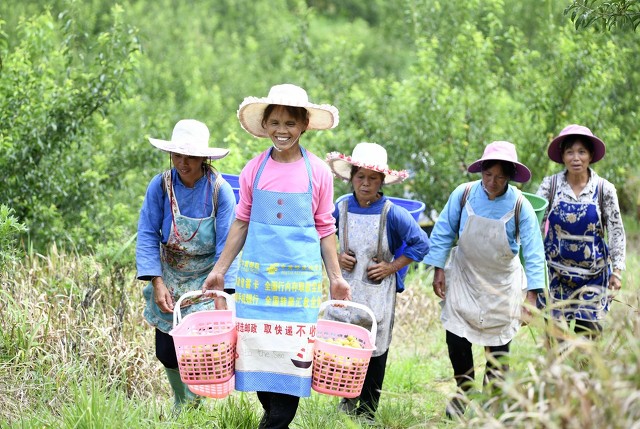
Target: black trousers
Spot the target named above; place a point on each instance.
(370, 395)
(166, 350)
(279, 410)
(461, 356)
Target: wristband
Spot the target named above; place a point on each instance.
(616, 275)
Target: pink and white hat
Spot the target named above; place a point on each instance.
(371, 156)
(555, 153)
(502, 151)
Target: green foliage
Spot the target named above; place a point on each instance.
(56, 90)
(10, 228)
(605, 15)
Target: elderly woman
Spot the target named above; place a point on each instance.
(184, 221)
(371, 229)
(483, 279)
(583, 269)
(285, 230)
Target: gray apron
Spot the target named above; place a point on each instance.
(484, 283)
(355, 233)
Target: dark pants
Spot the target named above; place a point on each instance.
(370, 395)
(166, 350)
(279, 409)
(461, 356)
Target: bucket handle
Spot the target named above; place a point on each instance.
(374, 325)
(177, 314)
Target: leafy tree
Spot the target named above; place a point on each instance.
(57, 91)
(605, 15)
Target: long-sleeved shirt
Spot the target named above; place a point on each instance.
(453, 218)
(614, 226)
(401, 228)
(291, 177)
(154, 224)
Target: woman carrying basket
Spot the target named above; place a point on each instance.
(184, 221)
(371, 229)
(285, 229)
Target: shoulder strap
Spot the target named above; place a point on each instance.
(552, 190)
(517, 215)
(463, 202)
(383, 222)
(216, 190)
(344, 210)
(603, 218)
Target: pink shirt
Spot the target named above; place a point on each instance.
(291, 177)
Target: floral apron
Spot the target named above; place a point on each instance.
(484, 283)
(356, 235)
(577, 256)
(186, 259)
(278, 292)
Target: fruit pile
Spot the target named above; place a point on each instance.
(348, 341)
(206, 362)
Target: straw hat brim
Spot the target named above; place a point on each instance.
(341, 165)
(189, 150)
(251, 111)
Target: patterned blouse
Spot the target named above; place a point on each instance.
(614, 227)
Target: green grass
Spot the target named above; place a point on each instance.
(75, 352)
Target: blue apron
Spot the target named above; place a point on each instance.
(278, 292)
(186, 259)
(577, 256)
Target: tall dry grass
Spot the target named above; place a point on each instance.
(75, 351)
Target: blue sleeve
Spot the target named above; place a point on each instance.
(149, 231)
(403, 228)
(224, 218)
(445, 231)
(532, 247)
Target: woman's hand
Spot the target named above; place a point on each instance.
(439, 282)
(615, 281)
(381, 270)
(214, 281)
(162, 296)
(340, 289)
(527, 309)
(347, 260)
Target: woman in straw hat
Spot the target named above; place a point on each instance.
(582, 207)
(285, 229)
(371, 229)
(184, 221)
(482, 281)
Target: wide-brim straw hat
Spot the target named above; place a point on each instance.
(371, 156)
(555, 152)
(502, 151)
(191, 138)
(251, 110)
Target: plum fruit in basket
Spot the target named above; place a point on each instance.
(201, 361)
(348, 341)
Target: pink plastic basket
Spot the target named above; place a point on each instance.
(218, 390)
(205, 344)
(340, 370)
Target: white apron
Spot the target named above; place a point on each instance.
(484, 283)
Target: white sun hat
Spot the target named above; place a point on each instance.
(371, 156)
(190, 137)
(251, 110)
